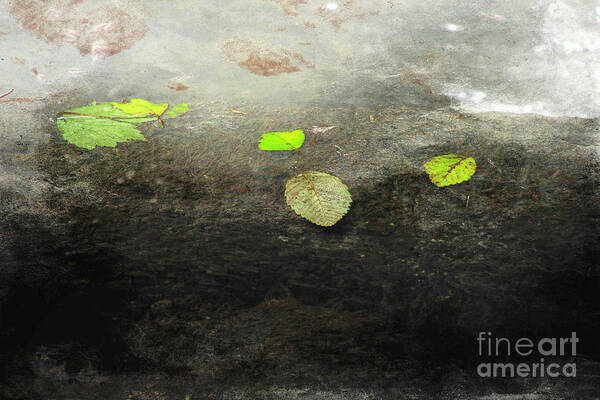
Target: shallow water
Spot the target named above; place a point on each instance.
(173, 266)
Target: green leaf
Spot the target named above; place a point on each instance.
(141, 107)
(104, 110)
(89, 132)
(107, 124)
(281, 140)
(177, 110)
(450, 169)
(321, 198)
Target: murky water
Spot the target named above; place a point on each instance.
(177, 259)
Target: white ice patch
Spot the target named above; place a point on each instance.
(561, 73)
(475, 101)
(466, 96)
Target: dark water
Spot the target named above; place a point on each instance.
(178, 256)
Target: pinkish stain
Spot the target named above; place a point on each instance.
(290, 7)
(260, 61)
(100, 31)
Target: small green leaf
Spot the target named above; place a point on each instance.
(321, 198)
(282, 140)
(89, 132)
(177, 110)
(450, 169)
(141, 107)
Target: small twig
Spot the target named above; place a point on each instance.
(494, 165)
(70, 114)
(321, 129)
(339, 150)
(467, 205)
(7, 93)
(101, 116)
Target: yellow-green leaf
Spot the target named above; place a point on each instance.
(102, 110)
(141, 107)
(450, 169)
(282, 140)
(177, 110)
(106, 124)
(321, 198)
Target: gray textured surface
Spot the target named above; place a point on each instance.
(516, 56)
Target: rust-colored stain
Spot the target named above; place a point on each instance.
(17, 60)
(57, 95)
(23, 100)
(100, 31)
(335, 13)
(178, 86)
(298, 58)
(268, 63)
(261, 61)
(290, 7)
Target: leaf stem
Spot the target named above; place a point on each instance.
(105, 117)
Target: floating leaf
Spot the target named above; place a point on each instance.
(107, 124)
(177, 110)
(96, 110)
(450, 169)
(281, 140)
(104, 110)
(89, 132)
(141, 107)
(321, 198)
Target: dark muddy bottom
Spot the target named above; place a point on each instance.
(173, 267)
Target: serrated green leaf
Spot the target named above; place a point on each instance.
(141, 107)
(89, 132)
(450, 169)
(105, 110)
(282, 140)
(96, 110)
(321, 198)
(107, 124)
(177, 110)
